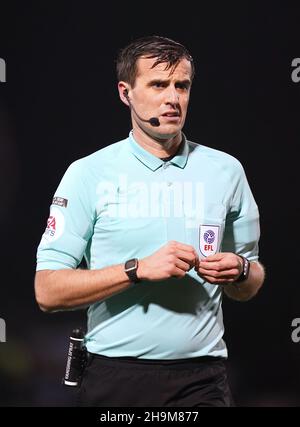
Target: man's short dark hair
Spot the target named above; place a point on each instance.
(165, 50)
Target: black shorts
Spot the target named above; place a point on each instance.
(131, 382)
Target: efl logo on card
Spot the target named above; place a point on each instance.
(209, 239)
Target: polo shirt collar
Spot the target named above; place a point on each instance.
(153, 162)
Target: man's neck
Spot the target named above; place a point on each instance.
(158, 147)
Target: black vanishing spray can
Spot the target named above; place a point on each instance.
(76, 359)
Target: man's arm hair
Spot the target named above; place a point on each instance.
(66, 289)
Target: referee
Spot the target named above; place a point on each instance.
(165, 226)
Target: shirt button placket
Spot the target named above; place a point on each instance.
(168, 203)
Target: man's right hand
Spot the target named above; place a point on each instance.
(172, 260)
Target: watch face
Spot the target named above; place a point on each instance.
(130, 264)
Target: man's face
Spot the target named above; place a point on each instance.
(157, 93)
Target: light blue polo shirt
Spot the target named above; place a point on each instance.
(123, 202)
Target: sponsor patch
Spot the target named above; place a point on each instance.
(209, 239)
(55, 225)
(59, 201)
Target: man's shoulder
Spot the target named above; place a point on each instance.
(215, 156)
(104, 155)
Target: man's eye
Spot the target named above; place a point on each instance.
(183, 86)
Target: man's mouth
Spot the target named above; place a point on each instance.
(171, 114)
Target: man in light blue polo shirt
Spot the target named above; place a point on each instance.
(165, 225)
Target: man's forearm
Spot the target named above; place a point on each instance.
(246, 290)
(66, 289)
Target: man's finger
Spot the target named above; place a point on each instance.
(218, 266)
(182, 265)
(229, 273)
(218, 281)
(216, 257)
(186, 256)
(185, 247)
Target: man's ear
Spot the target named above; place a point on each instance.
(123, 93)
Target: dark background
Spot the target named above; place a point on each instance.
(60, 103)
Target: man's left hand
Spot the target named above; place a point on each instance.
(221, 268)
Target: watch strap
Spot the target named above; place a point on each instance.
(245, 272)
(131, 271)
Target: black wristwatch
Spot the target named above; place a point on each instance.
(130, 269)
(246, 268)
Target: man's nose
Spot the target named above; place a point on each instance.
(172, 96)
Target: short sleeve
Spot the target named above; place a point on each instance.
(70, 223)
(242, 228)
